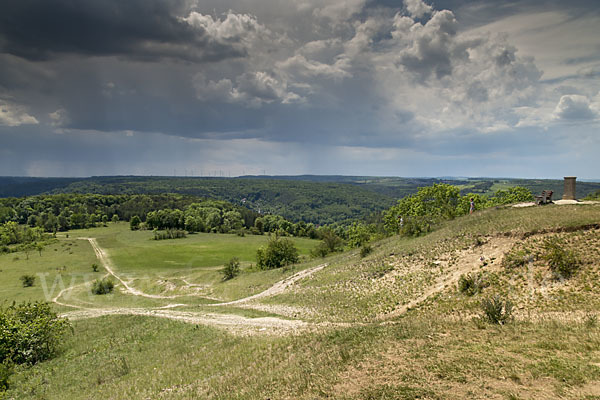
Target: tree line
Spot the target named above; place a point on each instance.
(417, 213)
(24, 220)
(320, 203)
(62, 212)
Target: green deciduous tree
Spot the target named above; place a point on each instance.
(134, 224)
(511, 195)
(278, 252)
(359, 234)
(435, 202)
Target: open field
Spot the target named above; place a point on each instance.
(164, 270)
(391, 325)
(65, 262)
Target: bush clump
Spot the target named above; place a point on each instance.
(6, 370)
(169, 234)
(365, 250)
(103, 286)
(472, 284)
(29, 333)
(231, 269)
(330, 243)
(496, 310)
(562, 262)
(27, 280)
(279, 252)
(417, 226)
(517, 258)
(135, 223)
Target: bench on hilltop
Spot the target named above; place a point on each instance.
(545, 198)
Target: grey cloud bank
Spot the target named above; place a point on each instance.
(319, 86)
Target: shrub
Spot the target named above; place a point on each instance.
(231, 269)
(135, 222)
(28, 280)
(590, 320)
(365, 250)
(103, 286)
(479, 241)
(95, 267)
(471, 284)
(6, 369)
(29, 333)
(517, 258)
(169, 234)
(562, 262)
(320, 250)
(255, 231)
(416, 226)
(496, 310)
(330, 242)
(593, 196)
(279, 252)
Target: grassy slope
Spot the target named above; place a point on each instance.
(435, 351)
(62, 263)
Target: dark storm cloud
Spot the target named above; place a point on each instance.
(140, 29)
(100, 85)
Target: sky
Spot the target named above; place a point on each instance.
(351, 87)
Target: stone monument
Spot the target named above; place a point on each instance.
(569, 192)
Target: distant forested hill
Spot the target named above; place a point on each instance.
(296, 200)
(24, 186)
(397, 187)
(320, 199)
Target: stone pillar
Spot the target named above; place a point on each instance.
(569, 192)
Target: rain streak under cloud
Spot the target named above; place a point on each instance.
(356, 87)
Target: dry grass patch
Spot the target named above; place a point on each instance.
(459, 360)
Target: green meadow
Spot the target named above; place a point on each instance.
(64, 262)
(153, 266)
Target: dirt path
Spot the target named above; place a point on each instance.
(68, 289)
(108, 265)
(468, 261)
(232, 322)
(277, 288)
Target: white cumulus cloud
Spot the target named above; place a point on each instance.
(574, 107)
(252, 89)
(15, 115)
(417, 8)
